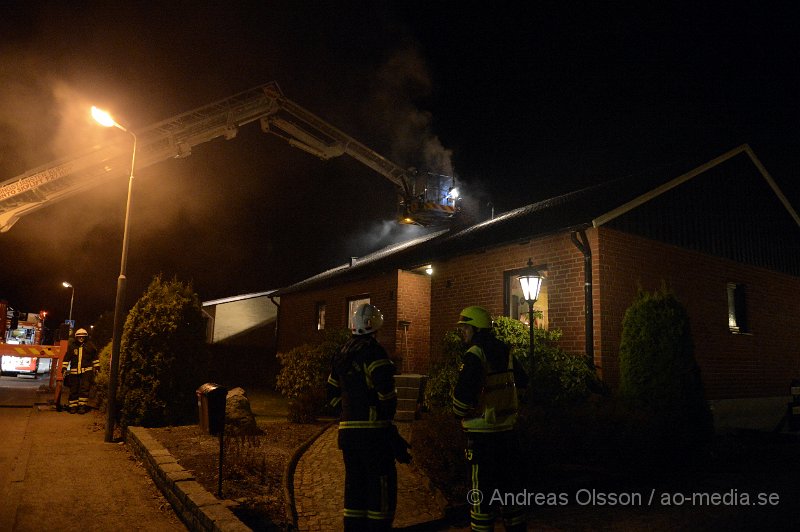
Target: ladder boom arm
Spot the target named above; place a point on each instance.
(177, 136)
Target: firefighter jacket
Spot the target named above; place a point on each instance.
(81, 358)
(485, 396)
(361, 383)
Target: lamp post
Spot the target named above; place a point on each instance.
(105, 119)
(530, 280)
(71, 300)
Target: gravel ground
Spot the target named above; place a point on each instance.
(253, 466)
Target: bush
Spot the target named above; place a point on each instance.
(658, 372)
(101, 379)
(162, 359)
(444, 375)
(437, 447)
(304, 372)
(555, 376)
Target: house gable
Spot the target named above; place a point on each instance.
(729, 208)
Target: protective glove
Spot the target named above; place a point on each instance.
(400, 446)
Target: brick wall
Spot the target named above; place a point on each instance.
(413, 304)
(760, 364)
(477, 279)
(298, 313)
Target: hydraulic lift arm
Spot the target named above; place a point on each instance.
(177, 136)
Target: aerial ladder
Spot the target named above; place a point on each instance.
(419, 202)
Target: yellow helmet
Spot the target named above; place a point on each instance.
(81, 332)
(476, 316)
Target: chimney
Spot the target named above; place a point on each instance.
(353, 261)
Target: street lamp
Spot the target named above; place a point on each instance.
(71, 300)
(105, 119)
(531, 282)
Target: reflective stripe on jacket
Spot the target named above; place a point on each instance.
(497, 403)
(361, 382)
(81, 358)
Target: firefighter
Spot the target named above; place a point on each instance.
(83, 363)
(361, 383)
(486, 401)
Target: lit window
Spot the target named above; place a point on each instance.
(352, 305)
(320, 316)
(737, 309)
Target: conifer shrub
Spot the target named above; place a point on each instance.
(162, 357)
(659, 377)
(101, 379)
(304, 372)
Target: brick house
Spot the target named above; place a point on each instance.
(720, 235)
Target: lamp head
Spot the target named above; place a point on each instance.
(530, 281)
(104, 118)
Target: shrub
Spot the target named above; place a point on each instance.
(437, 445)
(245, 456)
(162, 359)
(304, 372)
(444, 375)
(555, 376)
(658, 371)
(101, 379)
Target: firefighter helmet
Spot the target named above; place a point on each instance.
(367, 319)
(478, 317)
(81, 332)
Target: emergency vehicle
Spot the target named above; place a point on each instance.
(19, 346)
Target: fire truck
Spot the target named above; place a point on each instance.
(425, 198)
(20, 336)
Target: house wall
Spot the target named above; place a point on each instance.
(760, 364)
(240, 318)
(298, 312)
(413, 305)
(477, 279)
(734, 366)
(400, 289)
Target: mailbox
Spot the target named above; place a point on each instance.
(211, 407)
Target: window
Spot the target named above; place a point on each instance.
(737, 309)
(352, 305)
(320, 316)
(515, 305)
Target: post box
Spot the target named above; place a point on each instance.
(211, 407)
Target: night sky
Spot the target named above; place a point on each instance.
(522, 101)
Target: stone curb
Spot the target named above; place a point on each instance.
(198, 509)
(288, 475)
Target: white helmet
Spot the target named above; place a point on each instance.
(367, 319)
(81, 332)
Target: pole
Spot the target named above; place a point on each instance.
(530, 324)
(118, 310)
(71, 300)
(221, 457)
